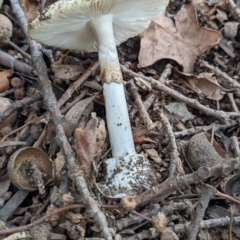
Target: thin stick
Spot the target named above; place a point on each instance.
(140, 215)
(231, 223)
(141, 108)
(194, 226)
(33, 121)
(228, 197)
(19, 50)
(212, 135)
(174, 150)
(220, 73)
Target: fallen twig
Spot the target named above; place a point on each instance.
(194, 226)
(141, 108)
(9, 61)
(195, 130)
(206, 224)
(20, 104)
(235, 145)
(232, 101)
(34, 120)
(220, 73)
(174, 150)
(235, 9)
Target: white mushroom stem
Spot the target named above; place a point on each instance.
(118, 122)
(126, 171)
(119, 128)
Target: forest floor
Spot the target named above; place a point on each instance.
(182, 86)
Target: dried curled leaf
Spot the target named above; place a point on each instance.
(100, 136)
(74, 217)
(153, 154)
(204, 84)
(168, 234)
(4, 82)
(67, 72)
(53, 219)
(88, 142)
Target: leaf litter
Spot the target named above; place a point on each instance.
(187, 77)
(180, 39)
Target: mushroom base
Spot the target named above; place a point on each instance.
(129, 175)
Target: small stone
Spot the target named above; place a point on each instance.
(230, 29)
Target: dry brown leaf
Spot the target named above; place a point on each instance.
(152, 153)
(143, 140)
(73, 115)
(67, 73)
(180, 168)
(95, 228)
(100, 136)
(86, 140)
(53, 219)
(81, 231)
(139, 131)
(67, 199)
(168, 234)
(30, 8)
(89, 141)
(74, 218)
(143, 84)
(72, 118)
(205, 84)
(183, 41)
(4, 82)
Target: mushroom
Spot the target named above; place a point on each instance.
(100, 25)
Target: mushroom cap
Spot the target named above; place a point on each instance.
(65, 24)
